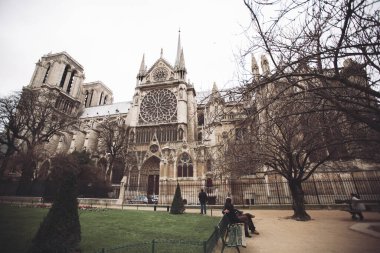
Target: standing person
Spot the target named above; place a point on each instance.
(356, 207)
(202, 200)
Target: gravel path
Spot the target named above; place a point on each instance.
(328, 231)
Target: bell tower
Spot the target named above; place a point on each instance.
(59, 71)
(63, 75)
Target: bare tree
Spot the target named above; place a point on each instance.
(114, 140)
(308, 44)
(9, 124)
(29, 120)
(292, 137)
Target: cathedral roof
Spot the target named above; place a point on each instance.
(50, 55)
(103, 110)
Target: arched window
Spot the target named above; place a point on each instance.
(180, 134)
(209, 182)
(91, 95)
(64, 76)
(105, 100)
(200, 136)
(57, 102)
(100, 100)
(70, 81)
(85, 98)
(201, 119)
(209, 165)
(185, 166)
(46, 73)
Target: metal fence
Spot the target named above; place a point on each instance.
(163, 246)
(320, 189)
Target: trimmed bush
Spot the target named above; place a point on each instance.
(60, 230)
(178, 206)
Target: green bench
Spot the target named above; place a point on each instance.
(232, 235)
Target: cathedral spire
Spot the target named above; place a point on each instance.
(142, 66)
(179, 49)
(142, 70)
(181, 64)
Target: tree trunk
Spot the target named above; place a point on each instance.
(28, 167)
(298, 201)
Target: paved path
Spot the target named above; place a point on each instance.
(328, 231)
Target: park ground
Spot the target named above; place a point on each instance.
(328, 231)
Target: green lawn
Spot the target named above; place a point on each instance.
(105, 228)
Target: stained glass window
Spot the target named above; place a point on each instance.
(158, 106)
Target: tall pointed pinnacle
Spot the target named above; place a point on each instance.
(255, 68)
(215, 95)
(142, 66)
(214, 88)
(179, 49)
(215, 92)
(181, 64)
(142, 70)
(265, 65)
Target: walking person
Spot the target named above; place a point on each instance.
(202, 196)
(356, 207)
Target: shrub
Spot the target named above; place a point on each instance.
(60, 230)
(178, 206)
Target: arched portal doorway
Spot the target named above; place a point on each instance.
(150, 176)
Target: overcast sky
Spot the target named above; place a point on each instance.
(109, 37)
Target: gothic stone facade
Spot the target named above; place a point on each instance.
(168, 122)
(165, 119)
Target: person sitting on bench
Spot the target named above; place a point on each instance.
(237, 216)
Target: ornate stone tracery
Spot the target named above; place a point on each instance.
(158, 106)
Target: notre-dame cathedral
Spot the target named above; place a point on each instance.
(166, 120)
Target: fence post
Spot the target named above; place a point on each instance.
(167, 208)
(204, 246)
(278, 192)
(103, 250)
(353, 180)
(153, 244)
(316, 190)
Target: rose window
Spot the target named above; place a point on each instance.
(160, 74)
(158, 106)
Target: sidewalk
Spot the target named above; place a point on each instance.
(328, 231)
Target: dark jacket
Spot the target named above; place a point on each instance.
(231, 214)
(202, 197)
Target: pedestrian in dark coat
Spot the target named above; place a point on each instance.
(202, 196)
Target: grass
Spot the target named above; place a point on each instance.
(105, 228)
